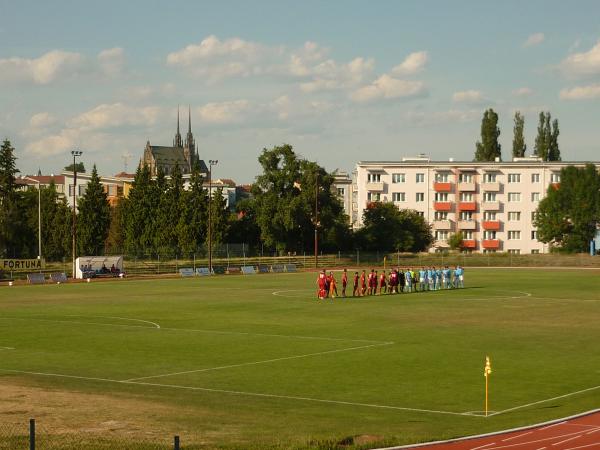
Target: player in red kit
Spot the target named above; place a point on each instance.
(344, 282)
(383, 283)
(321, 281)
(363, 283)
(356, 290)
(332, 286)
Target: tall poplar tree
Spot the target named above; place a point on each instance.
(10, 215)
(93, 219)
(546, 142)
(519, 146)
(488, 149)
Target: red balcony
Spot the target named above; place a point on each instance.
(555, 185)
(442, 187)
(467, 206)
(491, 225)
(491, 244)
(469, 243)
(442, 206)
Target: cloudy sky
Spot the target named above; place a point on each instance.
(341, 81)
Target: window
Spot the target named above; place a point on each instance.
(535, 196)
(465, 178)
(489, 177)
(535, 177)
(534, 235)
(555, 177)
(441, 196)
(514, 251)
(373, 177)
(466, 197)
(398, 178)
(489, 250)
(466, 234)
(514, 235)
(441, 215)
(441, 177)
(489, 215)
(514, 196)
(489, 234)
(533, 216)
(535, 252)
(341, 192)
(514, 215)
(373, 196)
(420, 197)
(82, 188)
(420, 178)
(514, 177)
(398, 197)
(489, 196)
(441, 235)
(71, 190)
(421, 213)
(466, 215)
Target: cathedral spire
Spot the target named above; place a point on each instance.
(189, 120)
(190, 144)
(178, 142)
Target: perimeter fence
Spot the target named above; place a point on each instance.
(34, 436)
(224, 257)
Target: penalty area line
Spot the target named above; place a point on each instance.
(266, 361)
(241, 393)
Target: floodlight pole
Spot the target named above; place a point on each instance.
(211, 162)
(316, 219)
(75, 154)
(39, 221)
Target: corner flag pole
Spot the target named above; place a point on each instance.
(486, 373)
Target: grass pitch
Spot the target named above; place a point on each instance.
(257, 362)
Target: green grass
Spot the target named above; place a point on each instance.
(422, 351)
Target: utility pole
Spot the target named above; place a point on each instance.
(75, 154)
(316, 219)
(211, 162)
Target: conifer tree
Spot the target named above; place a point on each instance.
(93, 220)
(546, 142)
(11, 218)
(488, 149)
(139, 214)
(192, 226)
(519, 146)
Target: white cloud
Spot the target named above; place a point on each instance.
(441, 117)
(414, 63)
(583, 64)
(581, 93)
(470, 96)
(329, 75)
(111, 61)
(42, 120)
(115, 115)
(387, 87)
(534, 39)
(212, 47)
(224, 112)
(56, 144)
(522, 92)
(43, 70)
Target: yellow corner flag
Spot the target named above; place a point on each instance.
(488, 367)
(486, 373)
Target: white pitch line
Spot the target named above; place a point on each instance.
(254, 363)
(119, 318)
(546, 400)
(517, 436)
(554, 425)
(250, 394)
(483, 446)
(234, 333)
(7, 348)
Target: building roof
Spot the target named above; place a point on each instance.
(526, 162)
(125, 175)
(226, 181)
(172, 154)
(42, 179)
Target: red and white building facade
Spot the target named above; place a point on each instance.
(492, 204)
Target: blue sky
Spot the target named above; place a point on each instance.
(341, 81)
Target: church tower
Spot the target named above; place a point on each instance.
(189, 149)
(178, 142)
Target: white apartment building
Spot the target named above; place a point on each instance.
(492, 204)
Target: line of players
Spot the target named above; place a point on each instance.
(399, 280)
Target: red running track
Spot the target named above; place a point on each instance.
(581, 432)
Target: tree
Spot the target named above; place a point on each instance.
(242, 224)
(386, 228)
(191, 229)
(139, 214)
(168, 212)
(488, 149)
(455, 241)
(546, 142)
(519, 146)
(116, 231)
(567, 218)
(93, 219)
(11, 213)
(284, 201)
(79, 167)
(219, 216)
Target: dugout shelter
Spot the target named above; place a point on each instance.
(97, 266)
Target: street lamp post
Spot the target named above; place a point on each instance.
(75, 154)
(316, 220)
(39, 221)
(211, 162)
